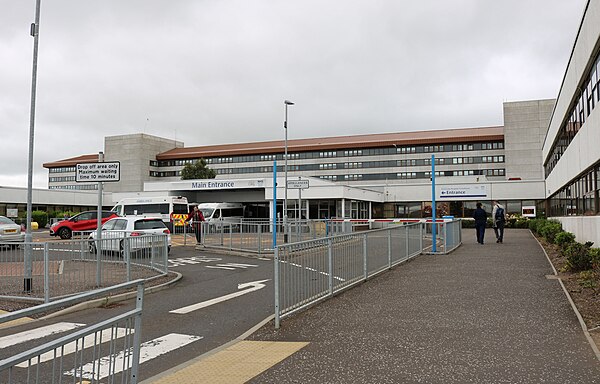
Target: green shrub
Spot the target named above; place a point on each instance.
(564, 238)
(595, 257)
(40, 217)
(549, 229)
(535, 224)
(522, 222)
(578, 256)
(466, 223)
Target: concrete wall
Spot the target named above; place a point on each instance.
(525, 126)
(134, 152)
(578, 63)
(585, 228)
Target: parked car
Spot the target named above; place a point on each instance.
(115, 230)
(84, 221)
(10, 232)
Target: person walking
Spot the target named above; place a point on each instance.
(498, 219)
(196, 217)
(480, 216)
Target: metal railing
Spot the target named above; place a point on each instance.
(257, 235)
(448, 236)
(68, 267)
(308, 272)
(108, 351)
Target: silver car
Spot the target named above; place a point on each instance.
(135, 230)
(10, 232)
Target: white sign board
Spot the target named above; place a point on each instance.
(297, 184)
(463, 191)
(12, 212)
(97, 172)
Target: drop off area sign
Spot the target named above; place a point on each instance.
(98, 172)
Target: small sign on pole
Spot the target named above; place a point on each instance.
(297, 184)
(98, 172)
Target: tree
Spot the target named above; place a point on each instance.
(198, 170)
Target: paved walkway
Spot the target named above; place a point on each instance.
(483, 314)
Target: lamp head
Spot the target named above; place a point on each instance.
(287, 102)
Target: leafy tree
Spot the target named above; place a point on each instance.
(198, 170)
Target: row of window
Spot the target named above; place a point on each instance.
(414, 175)
(339, 153)
(78, 187)
(451, 147)
(61, 170)
(587, 99)
(61, 179)
(353, 165)
(580, 197)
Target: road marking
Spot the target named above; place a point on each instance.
(149, 350)
(312, 270)
(252, 286)
(236, 265)
(213, 267)
(37, 333)
(106, 336)
(191, 260)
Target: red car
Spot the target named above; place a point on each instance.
(84, 221)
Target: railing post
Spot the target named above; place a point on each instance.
(389, 249)
(259, 230)
(330, 265)
(137, 335)
(445, 237)
(46, 273)
(406, 228)
(185, 233)
(366, 271)
(166, 253)
(127, 257)
(276, 283)
(421, 234)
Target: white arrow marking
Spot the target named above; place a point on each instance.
(252, 286)
(109, 365)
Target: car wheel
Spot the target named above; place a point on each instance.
(92, 247)
(122, 249)
(64, 233)
(168, 249)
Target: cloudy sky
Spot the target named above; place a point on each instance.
(216, 72)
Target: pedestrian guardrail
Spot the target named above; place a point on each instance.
(61, 268)
(108, 351)
(308, 272)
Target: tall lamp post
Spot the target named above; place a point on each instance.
(35, 30)
(285, 170)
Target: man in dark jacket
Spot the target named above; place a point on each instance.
(480, 217)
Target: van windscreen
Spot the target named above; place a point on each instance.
(207, 212)
(147, 208)
(180, 209)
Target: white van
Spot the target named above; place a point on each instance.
(229, 212)
(169, 208)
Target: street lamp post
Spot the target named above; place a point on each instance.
(28, 257)
(285, 170)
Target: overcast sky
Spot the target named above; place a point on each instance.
(217, 72)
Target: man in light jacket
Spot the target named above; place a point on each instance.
(498, 222)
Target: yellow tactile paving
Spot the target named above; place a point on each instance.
(14, 322)
(235, 364)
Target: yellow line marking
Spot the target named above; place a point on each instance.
(22, 320)
(235, 364)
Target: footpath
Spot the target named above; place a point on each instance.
(488, 313)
